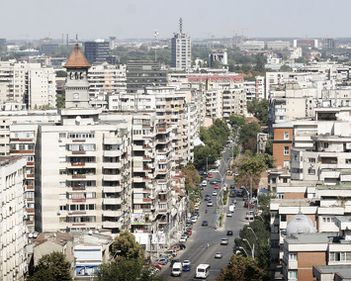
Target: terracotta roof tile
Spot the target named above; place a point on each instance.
(77, 59)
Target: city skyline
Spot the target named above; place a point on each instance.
(139, 19)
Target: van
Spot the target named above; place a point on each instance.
(202, 271)
(177, 269)
(250, 216)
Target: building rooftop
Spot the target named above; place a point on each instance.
(341, 185)
(309, 238)
(77, 59)
(342, 270)
(6, 160)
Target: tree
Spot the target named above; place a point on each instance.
(250, 167)
(285, 68)
(259, 109)
(248, 136)
(125, 246)
(242, 269)
(60, 100)
(236, 120)
(125, 270)
(52, 267)
(192, 181)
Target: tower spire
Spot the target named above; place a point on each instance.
(180, 25)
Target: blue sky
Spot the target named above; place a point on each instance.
(202, 18)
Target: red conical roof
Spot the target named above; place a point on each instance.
(77, 59)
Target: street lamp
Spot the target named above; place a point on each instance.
(251, 248)
(249, 227)
(241, 248)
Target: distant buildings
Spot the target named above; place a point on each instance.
(220, 57)
(27, 83)
(97, 51)
(181, 49)
(143, 73)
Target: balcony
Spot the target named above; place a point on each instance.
(112, 153)
(110, 213)
(113, 140)
(111, 224)
(17, 151)
(112, 177)
(112, 165)
(112, 189)
(112, 201)
(138, 147)
(30, 163)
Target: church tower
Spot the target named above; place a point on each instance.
(77, 86)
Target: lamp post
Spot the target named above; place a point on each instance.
(253, 232)
(251, 248)
(241, 248)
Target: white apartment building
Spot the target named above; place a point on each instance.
(277, 45)
(27, 83)
(181, 49)
(13, 232)
(105, 79)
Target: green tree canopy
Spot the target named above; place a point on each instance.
(236, 120)
(248, 136)
(250, 166)
(243, 268)
(125, 246)
(259, 108)
(52, 267)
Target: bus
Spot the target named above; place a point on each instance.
(202, 271)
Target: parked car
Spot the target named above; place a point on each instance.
(204, 223)
(229, 215)
(183, 238)
(214, 193)
(204, 183)
(209, 204)
(161, 261)
(229, 233)
(216, 186)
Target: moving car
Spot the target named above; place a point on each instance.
(229, 215)
(214, 193)
(204, 223)
(229, 233)
(231, 208)
(209, 204)
(218, 255)
(177, 269)
(216, 186)
(202, 271)
(186, 265)
(204, 183)
(224, 241)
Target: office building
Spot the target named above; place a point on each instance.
(97, 51)
(144, 73)
(181, 49)
(13, 233)
(219, 58)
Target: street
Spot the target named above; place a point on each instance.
(205, 241)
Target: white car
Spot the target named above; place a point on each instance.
(183, 239)
(218, 255)
(209, 204)
(229, 215)
(204, 183)
(214, 193)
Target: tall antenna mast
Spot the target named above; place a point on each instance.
(180, 25)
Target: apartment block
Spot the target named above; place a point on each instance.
(13, 232)
(105, 79)
(27, 83)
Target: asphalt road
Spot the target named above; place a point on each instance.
(205, 241)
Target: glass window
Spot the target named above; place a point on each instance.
(286, 150)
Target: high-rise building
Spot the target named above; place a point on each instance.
(13, 235)
(97, 51)
(181, 49)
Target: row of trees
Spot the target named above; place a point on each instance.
(127, 264)
(214, 139)
(192, 181)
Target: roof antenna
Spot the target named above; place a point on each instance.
(180, 25)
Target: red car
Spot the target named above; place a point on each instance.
(210, 175)
(216, 186)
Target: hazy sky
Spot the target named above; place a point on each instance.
(91, 19)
